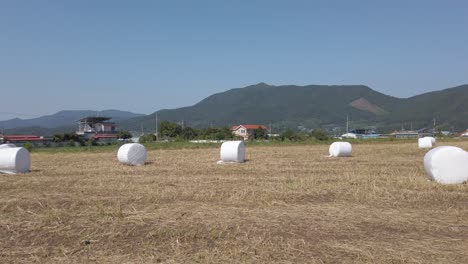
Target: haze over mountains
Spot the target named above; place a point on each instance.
(287, 106)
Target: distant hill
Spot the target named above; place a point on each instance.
(449, 107)
(290, 106)
(287, 106)
(61, 121)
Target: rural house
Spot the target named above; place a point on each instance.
(98, 128)
(246, 131)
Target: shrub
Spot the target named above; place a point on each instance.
(71, 143)
(28, 146)
(147, 138)
(319, 134)
(124, 134)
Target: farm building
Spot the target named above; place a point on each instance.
(20, 140)
(98, 128)
(246, 131)
(426, 132)
(405, 134)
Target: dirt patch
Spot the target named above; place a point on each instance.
(364, 105)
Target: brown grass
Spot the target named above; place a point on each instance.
(286, 204)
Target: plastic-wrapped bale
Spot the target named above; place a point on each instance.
(433, 140)
(8, 145)
(340, 149)
(424, 142)
(447, 165)
(14, 160)
(132, 154)
(233, 151)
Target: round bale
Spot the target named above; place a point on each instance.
(447, 165)
(132, 154)
(424, 142)
(233, 151)
(433, 140)
(340, 149)
(7, 145)
(14, 160)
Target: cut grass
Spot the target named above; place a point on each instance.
(287, 204)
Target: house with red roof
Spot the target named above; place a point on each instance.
(246, 131)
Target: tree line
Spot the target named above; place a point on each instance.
(172, 131)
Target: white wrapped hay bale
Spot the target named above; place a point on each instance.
(433, 140)
(233, 151)
(447, 165)
(340, 149)
(424, 142)
(132, 154)
(8, 145)
(14, 160)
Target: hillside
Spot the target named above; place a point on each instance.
(59, 122)
(284, 106)
(291, 106)
(65, 118)
(449, 107)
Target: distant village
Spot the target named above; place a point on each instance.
(101, 130)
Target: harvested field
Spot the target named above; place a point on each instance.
(288, 204)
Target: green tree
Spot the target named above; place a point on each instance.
(124, 134)
(62, 137)
(319, 134)
(147, 138)
(57, 137)
(260, 133)
(71, 143)
(222, 133)
(28, 146)
(289, 135)
(188, 133)
(169, 130)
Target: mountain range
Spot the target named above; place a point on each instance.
(311, 106)
(288, 107)
(63, 121)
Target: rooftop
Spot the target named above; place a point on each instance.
(249, 127)
(94, 119)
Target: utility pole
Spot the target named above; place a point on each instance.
(347, 124)
(156, 115)
(269, 136)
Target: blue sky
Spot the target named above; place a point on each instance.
(143, 56)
